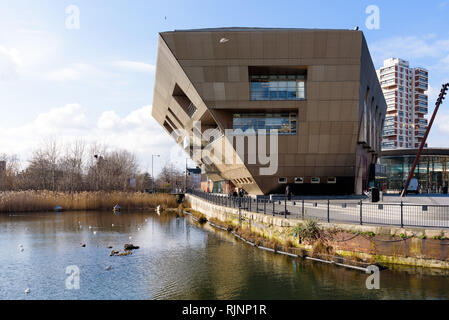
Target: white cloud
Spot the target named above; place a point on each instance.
(137, 132)
(64, 74)
(77, 71)
(9, 63)
(428, 48)
(108, 120)
(433, 93)
(134, 66)
(71, 116)
(411, 47)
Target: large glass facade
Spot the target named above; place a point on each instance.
(278, 87)
(431, 172)
(285, 123)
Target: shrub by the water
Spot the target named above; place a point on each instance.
(309, 230)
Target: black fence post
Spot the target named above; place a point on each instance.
(257, 205)
(328, 211)
(273, 207)
(250, 200)
(264, 206)
(285, 207)
(402, 214)
(302, 209)
(361, 218)
(240, 215)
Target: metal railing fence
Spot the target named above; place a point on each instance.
(337, 210)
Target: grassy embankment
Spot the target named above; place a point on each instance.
(33, 201)
(315, 240)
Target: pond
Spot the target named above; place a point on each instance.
(177, 259)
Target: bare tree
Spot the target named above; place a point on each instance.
(8, 178)
(170, 178)
(76, 167)
(72, 165)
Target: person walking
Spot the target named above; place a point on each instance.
(287, 193)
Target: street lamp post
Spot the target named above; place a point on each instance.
(152, 171)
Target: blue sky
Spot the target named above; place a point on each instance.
(96, 82)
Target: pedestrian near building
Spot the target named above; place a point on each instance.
(287, 193)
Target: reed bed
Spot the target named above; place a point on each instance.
(32, 201)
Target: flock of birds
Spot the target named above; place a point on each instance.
(107, 268)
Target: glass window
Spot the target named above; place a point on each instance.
(282, 180)
(299, 180)
(285, 123)
(278, 87)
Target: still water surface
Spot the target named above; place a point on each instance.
(177, 259)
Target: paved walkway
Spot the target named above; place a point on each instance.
(430, 211)
(435, 199)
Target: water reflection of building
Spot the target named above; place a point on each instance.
(431, 171)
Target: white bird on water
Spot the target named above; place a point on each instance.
(27, 290)
(95, 232)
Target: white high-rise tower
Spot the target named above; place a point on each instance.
(404, 90)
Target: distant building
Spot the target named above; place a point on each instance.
(207, 185)
(407, 104)
(194, 178)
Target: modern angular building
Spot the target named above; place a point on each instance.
(318, 88)
(407, 104)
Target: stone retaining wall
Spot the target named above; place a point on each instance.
(418, 248)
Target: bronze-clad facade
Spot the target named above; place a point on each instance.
(319, 86)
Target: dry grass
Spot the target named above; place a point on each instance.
(319, 247)
(31, 201)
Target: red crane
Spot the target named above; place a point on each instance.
(423, 142)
